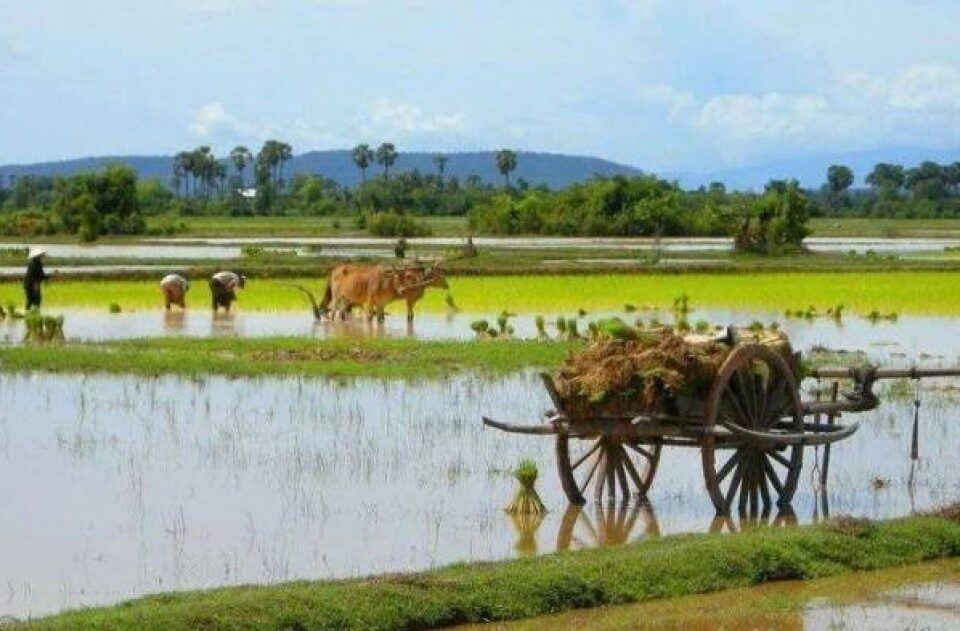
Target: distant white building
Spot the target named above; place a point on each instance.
(248, 193)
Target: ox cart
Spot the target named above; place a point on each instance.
(750, 426)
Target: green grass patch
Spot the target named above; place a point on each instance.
(884, 228)
(337, 357)
(860, 292)
(509, 590)
(295, 226)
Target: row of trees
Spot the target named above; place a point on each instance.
(646, 206)
(86, 204)
(386, 155)
(926, 190)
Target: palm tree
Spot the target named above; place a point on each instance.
(440, 161)
(182, 166)
(362, 156)
(220, 173)
(202, 162)
(179, 171)
(268, 158)
(284, 155)
(386, 156)
(506, 162)
(241, 157)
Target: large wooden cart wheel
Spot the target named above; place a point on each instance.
(607, 464)
(755, 389)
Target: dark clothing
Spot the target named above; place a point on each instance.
(34, 297)
(221, 294)
(31, 282)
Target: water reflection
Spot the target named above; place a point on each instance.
(525, 526)
(606, 524)
(174, 322)
(751, 520)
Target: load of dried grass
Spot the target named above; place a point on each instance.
(623, 376)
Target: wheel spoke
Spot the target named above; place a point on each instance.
(744, 488)
(734, 483)
(593, 469)
(621, 474)
(746, 394)
(760, 396)
(772, 475)
(779, 458)
(598, 485)
(640, 450)
(641, 487)
(731, 397)
(589, 453)
(611, 476)
(764, 487)
(728, 467)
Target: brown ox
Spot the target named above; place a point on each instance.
(373, 287)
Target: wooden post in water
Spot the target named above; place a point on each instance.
(831, 420)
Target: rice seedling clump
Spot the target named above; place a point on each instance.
(526, 501)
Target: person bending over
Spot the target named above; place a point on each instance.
(174, 288)
(223, 289)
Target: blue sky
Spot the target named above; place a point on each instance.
(679, 85)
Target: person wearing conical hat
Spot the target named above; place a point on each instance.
(34, 277)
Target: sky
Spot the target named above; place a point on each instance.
(677, 85)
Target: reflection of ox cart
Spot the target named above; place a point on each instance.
(750, 427)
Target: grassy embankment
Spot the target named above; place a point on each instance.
(457, 226)
(226, 227)
(508, 590)
(884, 228)
(336, 357)
(905, 292)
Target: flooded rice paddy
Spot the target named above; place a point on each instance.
(118, 486)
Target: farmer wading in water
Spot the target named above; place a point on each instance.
(223, 289)
(34, 276)
(174, 288)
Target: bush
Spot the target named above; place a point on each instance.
(396, 225)
(29, 223)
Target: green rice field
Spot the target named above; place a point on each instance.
(902, 291)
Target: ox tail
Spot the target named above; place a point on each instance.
(318, 309)
(327, 297)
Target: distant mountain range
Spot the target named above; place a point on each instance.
(554, 170)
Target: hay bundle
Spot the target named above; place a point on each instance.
(623, 376)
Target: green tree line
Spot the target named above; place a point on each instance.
(928, 190)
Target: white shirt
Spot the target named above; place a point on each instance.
(227, 279)
(175, 280)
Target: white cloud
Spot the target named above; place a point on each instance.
(398, 118)
(212, 118)
(677, 102)
(918, 104)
